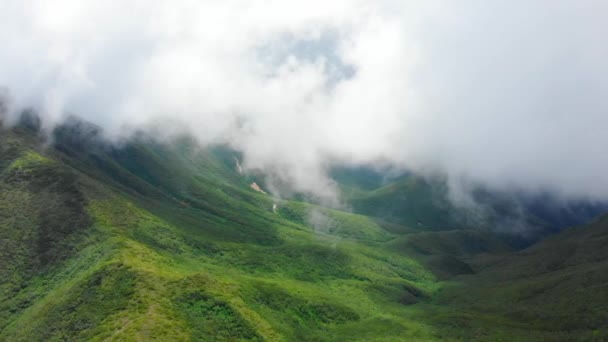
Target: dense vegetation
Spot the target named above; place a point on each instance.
(166, 241)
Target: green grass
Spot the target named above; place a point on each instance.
(180, 259)
(167, 242)
(213, 319)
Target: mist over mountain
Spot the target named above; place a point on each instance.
(381, 191)
(164, 239)
(506, 96)
(266, 170)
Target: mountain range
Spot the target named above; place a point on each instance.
(162, 239)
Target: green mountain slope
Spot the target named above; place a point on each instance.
(410, 200)
(107, 243)
(557, 289)
(519, 218)
(166, 241)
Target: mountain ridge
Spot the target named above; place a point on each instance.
(167, 241)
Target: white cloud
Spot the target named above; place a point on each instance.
(509, 94)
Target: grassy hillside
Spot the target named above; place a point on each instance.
(167, 241)
(148, 241)
(557, 288)
(520, 219)
(410, 200)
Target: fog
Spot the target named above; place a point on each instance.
(508, 95)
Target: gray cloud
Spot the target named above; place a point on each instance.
(510, 95)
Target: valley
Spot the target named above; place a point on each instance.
(164, 241)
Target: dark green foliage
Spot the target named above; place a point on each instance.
(89, 303)
(43, 218)
(412, 201)
(29, 122)
(312, 262)
(10, 149)
(520, 218)
(445, 253)
(358, 178)
(369, 330)
(307, 318)
(447, 266)
(404, 293)
(213, 320)
(59, 206)
(560, 282)
(454, 242)
(313, 312)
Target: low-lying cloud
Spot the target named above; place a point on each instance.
(511, 95)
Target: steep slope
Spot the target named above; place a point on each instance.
(150, 240)
(105, 242)
(557, 288)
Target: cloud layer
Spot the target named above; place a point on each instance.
(506, 94)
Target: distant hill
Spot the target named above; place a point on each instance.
(557, 289)
(423, 202)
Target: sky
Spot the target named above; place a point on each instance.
(506, 94)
